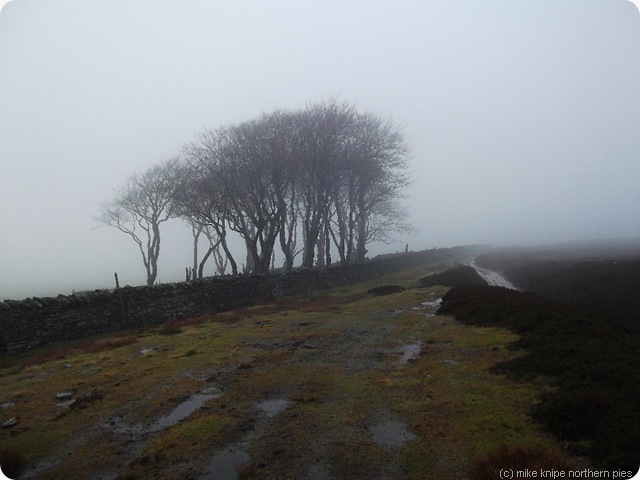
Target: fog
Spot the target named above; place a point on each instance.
(522, 116)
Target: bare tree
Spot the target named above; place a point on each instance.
(140, 207)
(353, 171)
(197, 229)
(321, 141)
(379, 163)
(326, 174)
(251, 166)
(220, 261)
(200, 196)
(250, 184)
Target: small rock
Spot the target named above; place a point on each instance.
(10, 423)
(67, 403)
(64, 396)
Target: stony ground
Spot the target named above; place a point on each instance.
(340, 385)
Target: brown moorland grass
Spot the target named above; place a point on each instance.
(334, 359)
(516, 458)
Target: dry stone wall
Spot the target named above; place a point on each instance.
(36, 322)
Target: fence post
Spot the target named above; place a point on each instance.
(122, 314)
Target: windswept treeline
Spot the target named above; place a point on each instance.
(316, 184)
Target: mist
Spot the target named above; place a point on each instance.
(522, 116)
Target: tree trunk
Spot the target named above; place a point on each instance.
(222, 234)
(220, 261)
(320, 245)
(288, 240)
(203, 261)
(154, 253)
(196, 231)
(361, 246)
(312, 230)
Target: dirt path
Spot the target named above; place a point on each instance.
(337, 386)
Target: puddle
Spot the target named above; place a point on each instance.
(391, 434)
(430, 305)
(185, 409)
(273, 407)
(116, 424)
(410, 352)
(223, 464)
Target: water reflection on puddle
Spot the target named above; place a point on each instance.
(391, 434)
(225, 462)
(185, 409)
(273, 407)
(410, 352)
(431, 305)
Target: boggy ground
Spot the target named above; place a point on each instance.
(340, 385)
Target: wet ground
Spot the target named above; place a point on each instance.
(492, 277)
(345, 387)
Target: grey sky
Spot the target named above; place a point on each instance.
(522, 116)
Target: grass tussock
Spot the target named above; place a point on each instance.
(520, 457)
(385, 290)
(107, 344)
(244, 471)
(49, 354)
(176, 326)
